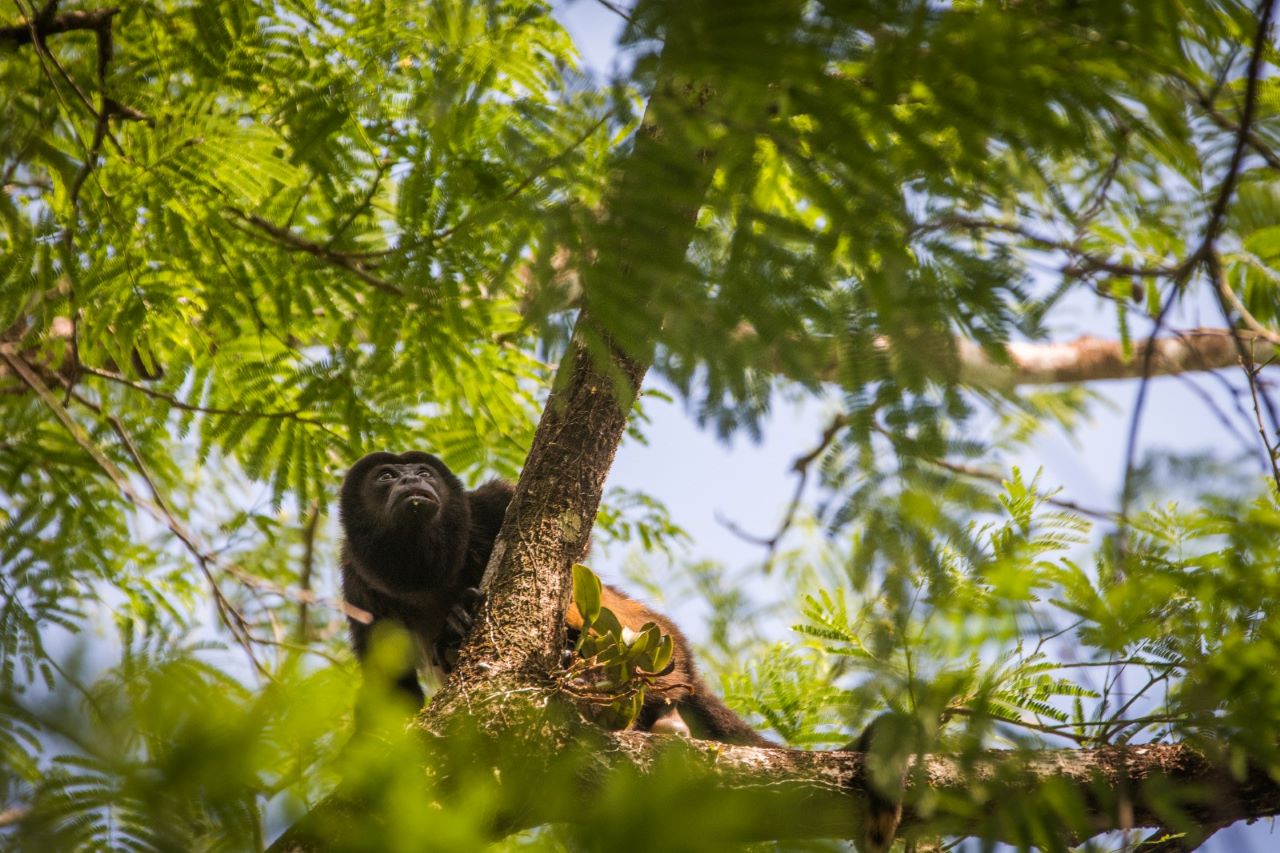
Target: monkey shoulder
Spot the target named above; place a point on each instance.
(488, 506)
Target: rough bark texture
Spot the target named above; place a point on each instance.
(799, 794)
(528, 583)
(1117, 787)
(1086, 359)
(1090, 359)
(519, 632)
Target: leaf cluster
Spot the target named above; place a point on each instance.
(616, 665)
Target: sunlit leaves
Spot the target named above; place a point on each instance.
(239, 299)
(616, 664)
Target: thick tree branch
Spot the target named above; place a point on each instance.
(520, 629)
(545, 531)
(1119, 787)
(800, 794)
(1090, 359)
(1086, 359)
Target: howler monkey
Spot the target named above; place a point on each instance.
(415, 547)
(416, 543)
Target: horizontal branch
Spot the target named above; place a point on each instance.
(287, 239)
(1116, 788)
(22, 32)
(1090, 359)
(1086, 359)
(792, 794)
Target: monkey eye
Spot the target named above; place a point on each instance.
(385, 476)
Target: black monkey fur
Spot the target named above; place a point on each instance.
(415, 547)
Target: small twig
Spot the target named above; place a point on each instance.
(1103, 188)
(1150, 664)
(1116, 725)
(1251, 370)
(1226, 294)
(1257, 143)
(358, 209)
(206, 560)
(308, 565)
(545, 167)
(800, 467)
(1165, 840)
(997, 478)
(1082, 263)
(289, 240)
(617, 10)
(1226, 300)
(1211, 405)
(304, 648)
(101, 124)
(1055, 731)
(170, 519)
(36, 38)
(1057, 728)
(169, 399)
(1252, 76)
(1139, 404)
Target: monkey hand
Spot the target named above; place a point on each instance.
(456, 627)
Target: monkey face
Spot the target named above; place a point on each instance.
(399, 494)
(404, 491)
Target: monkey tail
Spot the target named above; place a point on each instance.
(883, 796)
(883, 816)
(711, 719)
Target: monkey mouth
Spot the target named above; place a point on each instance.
(419, 500)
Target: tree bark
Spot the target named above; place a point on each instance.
(1086, 359)
(776, 794)
(1090, 359)
(1115, 787)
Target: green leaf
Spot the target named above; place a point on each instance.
(607, 624)
(587, 594)
(660, 655)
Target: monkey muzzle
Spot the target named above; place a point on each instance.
(418, 498)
